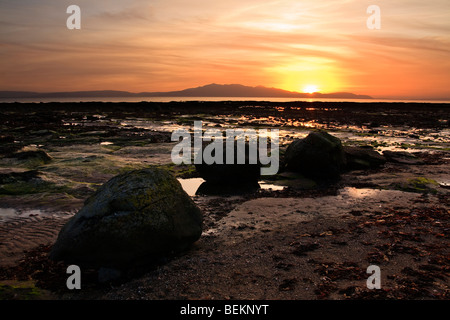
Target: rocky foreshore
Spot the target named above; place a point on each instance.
(385, 204)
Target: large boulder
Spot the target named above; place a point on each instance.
(319, 155)
(134, 217)
(230, 173)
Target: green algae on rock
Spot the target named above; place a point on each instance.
(32, 158)
(420, 185)
(134, 217)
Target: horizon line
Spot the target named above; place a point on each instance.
(228, 84)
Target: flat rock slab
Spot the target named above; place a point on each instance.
(268, 214)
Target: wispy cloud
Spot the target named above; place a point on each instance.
(172, 44)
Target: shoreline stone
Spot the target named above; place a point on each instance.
(319, 155)
(134, 217)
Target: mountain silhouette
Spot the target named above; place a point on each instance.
(238, 90)
(210, 90)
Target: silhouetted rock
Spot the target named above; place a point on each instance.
(209, 188)
(401, 157)
(230, 173)
(134, 217)
(362, 158)
(319, 155)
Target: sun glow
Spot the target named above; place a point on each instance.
(310, 88)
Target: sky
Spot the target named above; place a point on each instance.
(165, 45)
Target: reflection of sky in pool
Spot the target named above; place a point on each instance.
(381, 137)
(191, 185)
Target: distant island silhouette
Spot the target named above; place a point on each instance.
(210, 90)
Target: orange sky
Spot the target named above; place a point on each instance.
(162, 45)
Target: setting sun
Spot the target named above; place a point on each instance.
(310, 89)
(300, 46)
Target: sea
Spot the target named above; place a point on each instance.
(183, 99)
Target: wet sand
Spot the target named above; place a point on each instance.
(285, 244)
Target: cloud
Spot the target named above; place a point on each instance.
(173, 44)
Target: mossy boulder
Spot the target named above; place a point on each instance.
(134, 217)
(319, 155)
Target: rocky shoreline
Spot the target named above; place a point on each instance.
(302, 242)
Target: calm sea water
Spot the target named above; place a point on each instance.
(169, 99)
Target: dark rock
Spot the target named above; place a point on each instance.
(13, 177)
(28, 182)
(319, 155)
(6, 139)
(9, 148)
(106, 275)
(92, 118)
(38, 156)
(159, 137)
(227, 173)
(210, 188)
(135, 217)
(43, 132)
(362, 158)
(402, 157)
